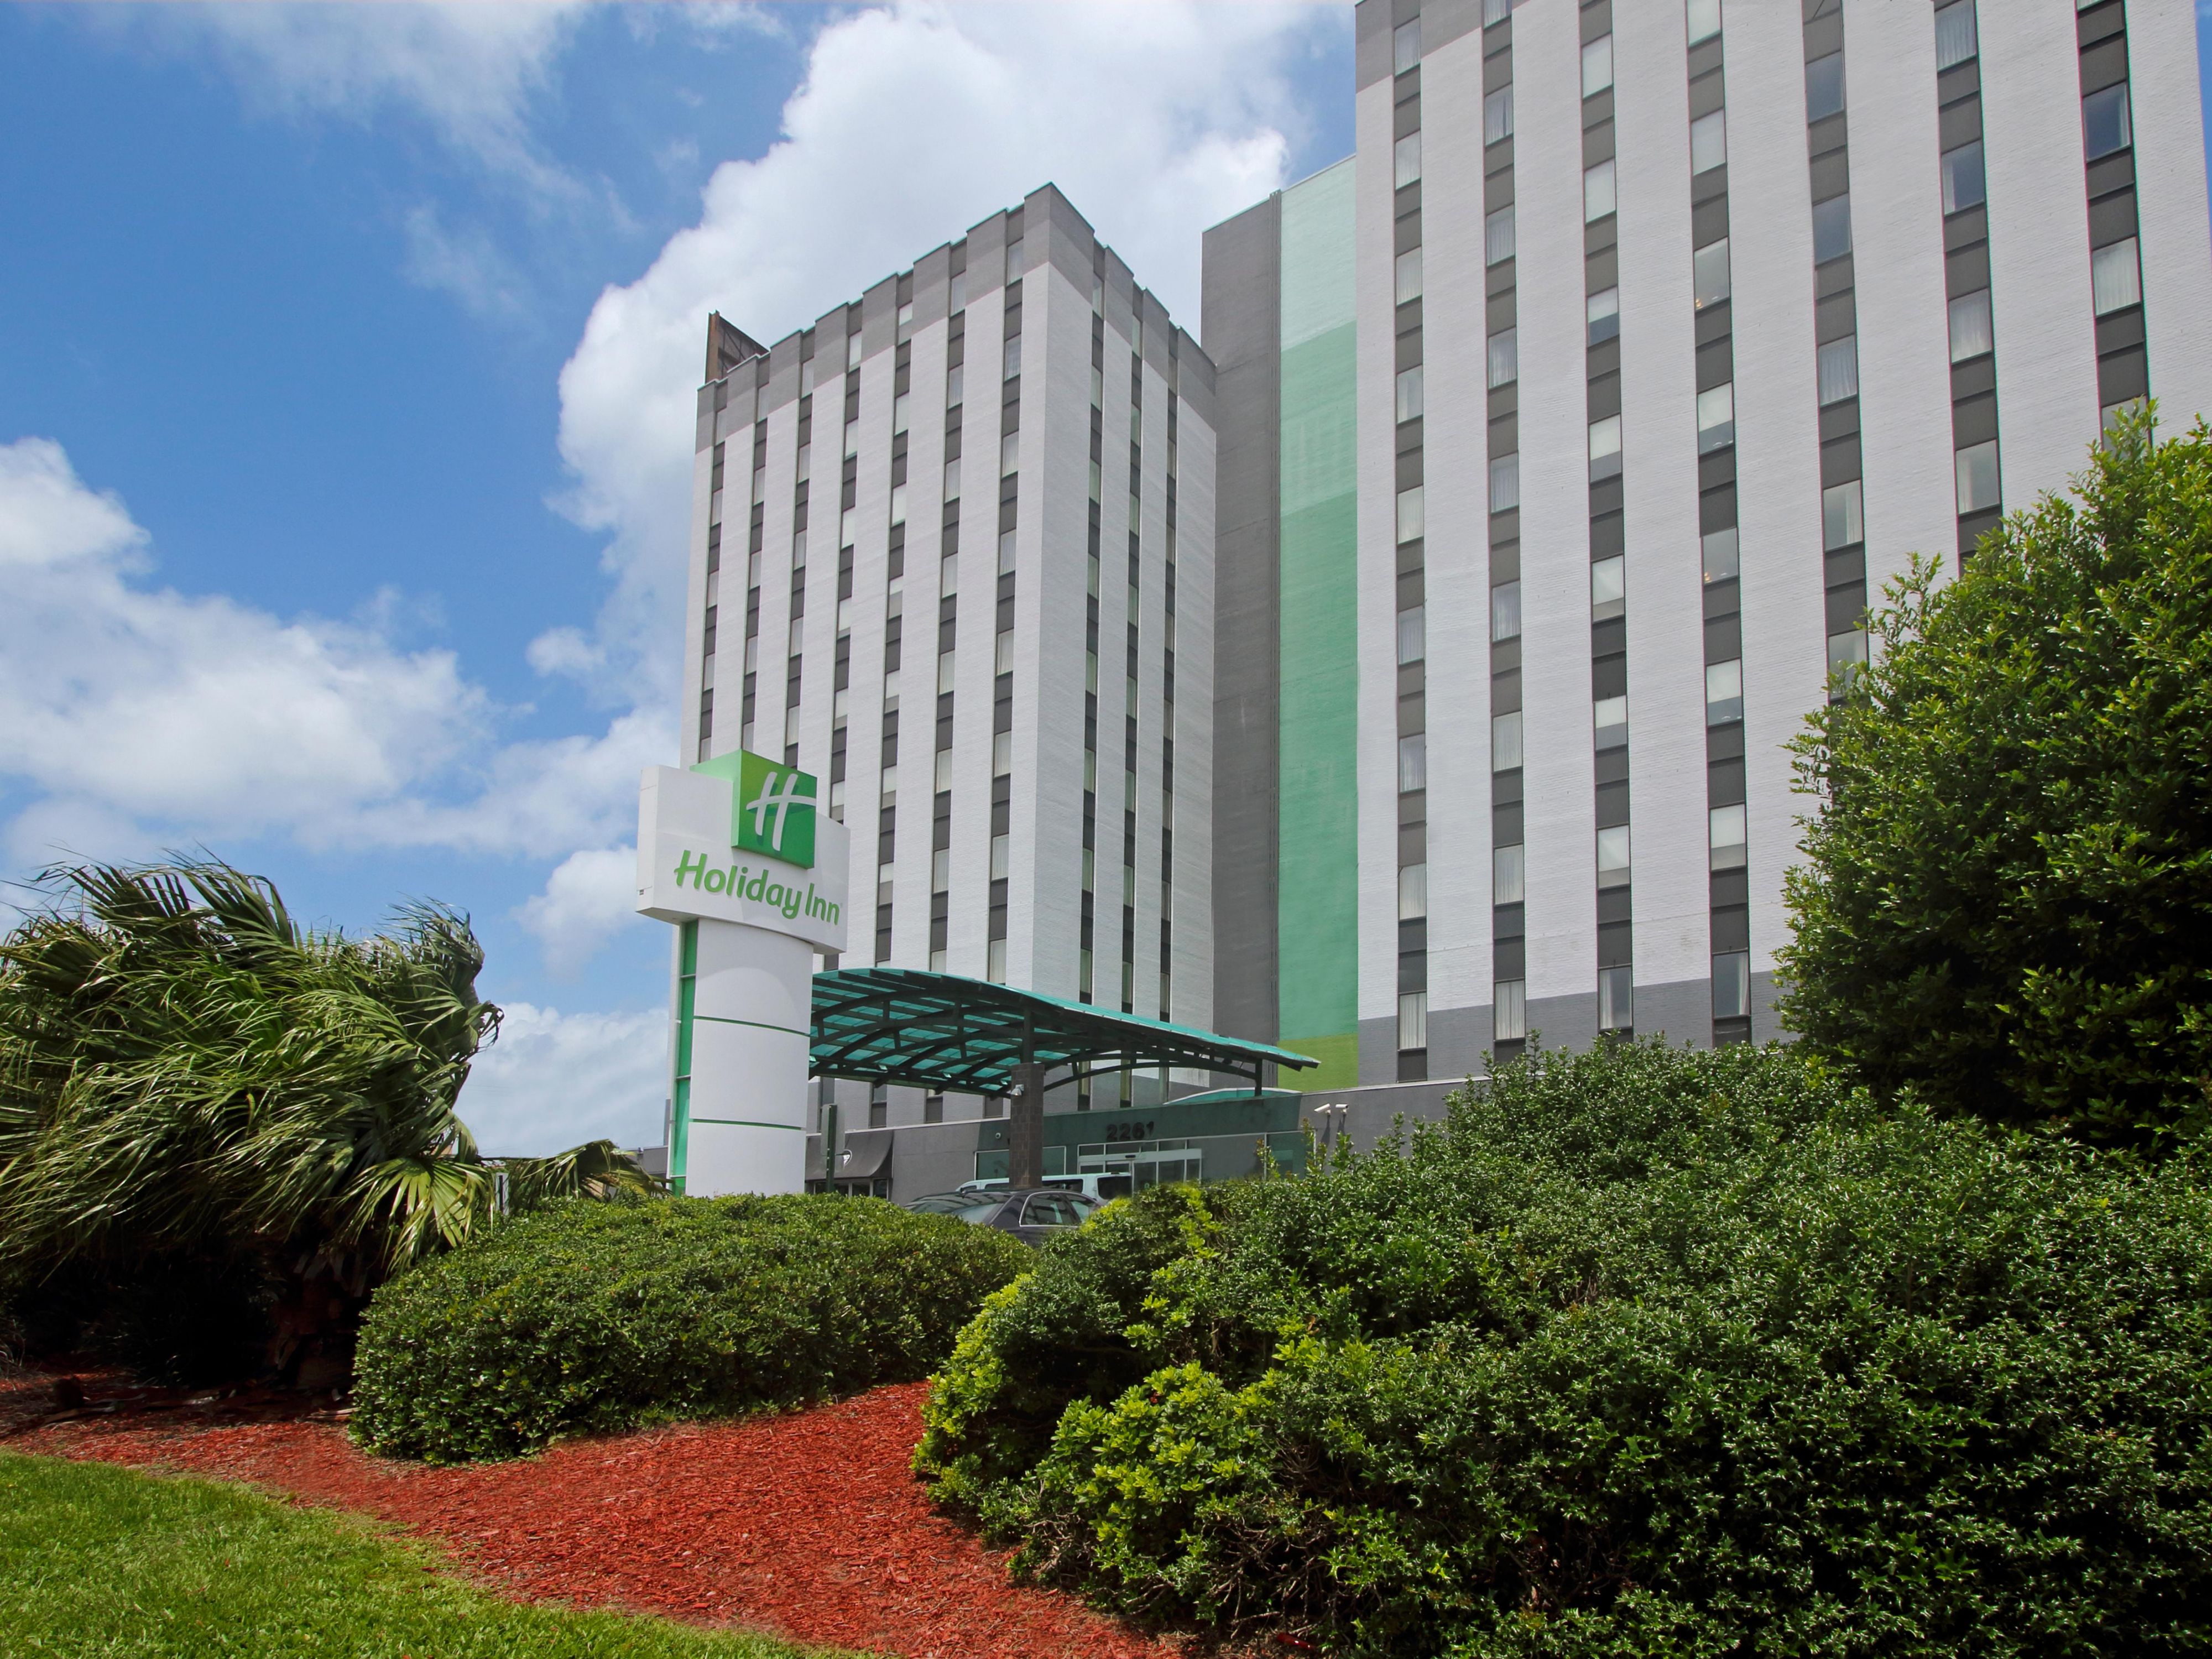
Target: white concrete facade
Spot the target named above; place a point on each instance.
(1901, 110)
(1040, 596)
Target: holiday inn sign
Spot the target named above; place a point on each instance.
(741, 838)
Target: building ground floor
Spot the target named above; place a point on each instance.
(1207, 1135)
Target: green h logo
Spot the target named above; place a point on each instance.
(775, 812)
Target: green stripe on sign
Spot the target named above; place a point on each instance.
(758, 1025)
(750, 1123)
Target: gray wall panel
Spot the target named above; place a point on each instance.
(1242, 334)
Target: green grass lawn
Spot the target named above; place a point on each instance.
(95, 1559)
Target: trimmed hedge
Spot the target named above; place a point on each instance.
(591, 1318)
(1645, 1352)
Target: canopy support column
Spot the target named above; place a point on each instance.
(1025, 1115)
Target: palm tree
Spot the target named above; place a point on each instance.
(185, 1071)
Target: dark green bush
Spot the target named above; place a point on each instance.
(591, 1318)
(1645, 1352)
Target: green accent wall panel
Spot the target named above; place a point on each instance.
(1317, 850)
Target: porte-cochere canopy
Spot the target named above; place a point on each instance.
(950, 1035)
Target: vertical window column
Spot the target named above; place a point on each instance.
(1509, 862)
(1002, 680)
(802, 493)
(1616, 943)
(1131, 612)
(1720, 565)
(708, 626)
(1167, 694)
(1085, 984)
(1972, 325)
(2115, 257)
(1411, 536)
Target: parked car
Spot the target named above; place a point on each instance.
(1097, 1187)
(1031, 1215)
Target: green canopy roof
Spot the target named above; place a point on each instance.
(946, 1033)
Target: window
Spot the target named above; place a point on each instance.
(1002, 856)
(1718, 554)
(1717, 418)
(1506, 742)
(1843, 518)
(953, 479)
(1847, 654)
(1962, 178)
(1508, 874)
(1608, 588)
(1497, 115)
(1972, 334)
(1504, 357)
(1709, 273)
(1505, 483)
(1597, 191)
(1013, 261)
(1412, 635)
(1414, 892)
(1605, 448)
(845, 521)
(1002, 743)
(1509, 1011)
(1597, 66)
(1498, 237)
(1725, 836)
(1010, 453)
(1955, 39)
(1405, 45)
(1613, 856)
(1604, 315)
(1724, 692)
(1413, 1020)
(1409, 274)
(1616, 999)
(906, 320)
(948, 574)
(1609, 723)
(1408, 156)
(852, 438)
(1832, 228)
(900, 406)
(1709, 142)
(852, 351)
(1839, 370)
(2115, 278)
(2104, 124)
(1002, 656)
(1506, 611)
(1976, 466)
(1409, 393)
(1412, 763)
(954, 378)
(1824, 87)
(956, 294)
(995, 962)
(1703, 17)
(1496, 11)
(899, 503)
(1732, 970)
(1410, 514)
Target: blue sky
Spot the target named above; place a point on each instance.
(346, 358)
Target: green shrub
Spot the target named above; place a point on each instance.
(1645, 1352)
(591, 1317)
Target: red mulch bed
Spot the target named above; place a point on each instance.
(807, 1526)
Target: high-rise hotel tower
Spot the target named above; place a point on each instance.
(952, 553)
(1569, 429)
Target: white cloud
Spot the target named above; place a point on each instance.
(471, 71)
(462, 262)
(590, 897)
(554, 1080)
(137, 714)
(912, 123)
